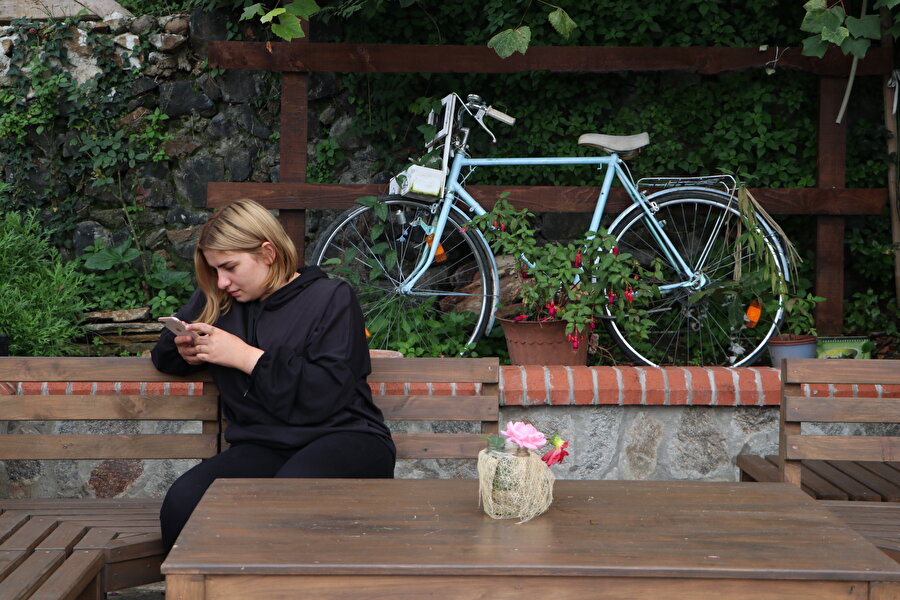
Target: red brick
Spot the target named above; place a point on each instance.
(32, 387)
(105, 387)
(512, 392)
(654, 386)
(865, 389)
(676, 379)
(154, 388)
(558, 380)
(82, 387)
(891, 391)
(608, 391)
(394, 388)
(699, 387)
(423, 389)
(7, 388)
(843, 390)
(723, 380)
(535, 385)
(771, 386)
(582, 385)
(179, 388)
(57, 387)
(465, 389)
(632, 392)
(131, 387)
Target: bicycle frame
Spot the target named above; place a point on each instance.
(614, 170)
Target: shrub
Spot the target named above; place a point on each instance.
(40, 305)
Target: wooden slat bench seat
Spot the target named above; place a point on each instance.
(856, 473)
(68, 548)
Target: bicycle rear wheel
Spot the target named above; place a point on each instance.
(375, 248)
(728, 320)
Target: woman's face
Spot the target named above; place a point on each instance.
(242, 274)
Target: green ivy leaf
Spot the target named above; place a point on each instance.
(303, 8)
(252, 11)
(816, 14)
(868, 26)
(266, 18)
(835, 36)
(288, 27)
(509, 41)
(562, 23)
(856, 47)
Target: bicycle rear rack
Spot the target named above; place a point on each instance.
(720, 183)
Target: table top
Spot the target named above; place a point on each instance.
(593, 528)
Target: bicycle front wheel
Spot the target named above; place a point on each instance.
(727, 318)
(376, 248)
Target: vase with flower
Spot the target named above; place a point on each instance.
(514, 481)
(565, 288)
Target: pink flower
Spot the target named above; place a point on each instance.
(551, 309)
(556, 455)
(629, 295)
(462, 229)
(611, 296)
(577, 262)
(520, 318)
(524, 435)
(615, 250)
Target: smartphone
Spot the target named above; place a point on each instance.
(177, 326)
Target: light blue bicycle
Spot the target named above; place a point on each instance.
(421, 274)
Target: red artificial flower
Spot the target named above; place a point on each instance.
(558, 453)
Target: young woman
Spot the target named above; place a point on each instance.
(288, 353)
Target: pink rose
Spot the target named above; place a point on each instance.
(524, 435)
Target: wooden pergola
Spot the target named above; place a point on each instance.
(829, 202)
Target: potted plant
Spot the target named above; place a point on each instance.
(564, 288)
(797, 335)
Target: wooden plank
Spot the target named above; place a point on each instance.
(854, 489)
(435, 370)
(29, 535)
(813, 370)
(11, 521)
(413, 58)
(130, 573)
(294, 196)
(73, 447)
(104, 407)
(77, 577)
(439, 408)
(887, 490)
(64, 537)
(434, 445)
(10, 561)
(31, 574)
(756, 468)
(842, 410)
(828, 447)
(92, 368)
(185, 587)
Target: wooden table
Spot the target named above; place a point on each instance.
(412, 539)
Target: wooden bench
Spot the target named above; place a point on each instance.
(843, 466)
(84, 547)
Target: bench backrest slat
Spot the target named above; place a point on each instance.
(867, 379)
(474, 398)
(83, 447)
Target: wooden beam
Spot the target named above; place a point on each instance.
(832, 168)
(293, 151)
(791, 201)
(411, 58)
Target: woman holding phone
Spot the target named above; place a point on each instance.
(288, 353)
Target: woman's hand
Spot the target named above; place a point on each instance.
(219, 347)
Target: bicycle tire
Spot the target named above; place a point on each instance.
(450, 307)
(690, 328)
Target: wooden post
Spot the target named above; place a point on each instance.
(832, 168)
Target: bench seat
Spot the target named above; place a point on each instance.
(82, 548)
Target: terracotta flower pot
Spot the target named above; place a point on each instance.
(536, 343)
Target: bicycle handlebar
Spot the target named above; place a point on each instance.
(500, 116)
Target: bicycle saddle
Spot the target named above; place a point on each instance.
(625, 146)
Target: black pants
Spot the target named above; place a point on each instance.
(345, 454)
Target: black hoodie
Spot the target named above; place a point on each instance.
(310, 381)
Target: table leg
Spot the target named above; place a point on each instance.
(185, 587)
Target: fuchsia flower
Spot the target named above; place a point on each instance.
(520, 318)
(577, 261)
(558, 453)
(629, 295)
(551, 308)
(611, 296)
(524, 435)
(615, 250)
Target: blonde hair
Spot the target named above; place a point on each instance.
(242, 226)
